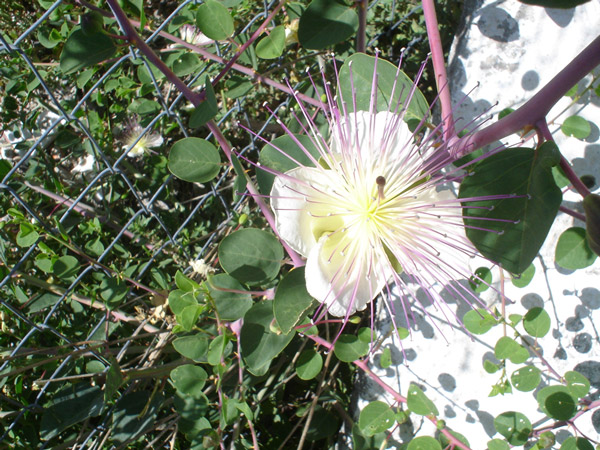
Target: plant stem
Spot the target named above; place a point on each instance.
(572, 213)
(439, 68)
(361, 34)
(249, 42)
(535, 109)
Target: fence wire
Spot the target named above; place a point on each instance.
(78, 214)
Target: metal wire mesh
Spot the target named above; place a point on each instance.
(89, 201)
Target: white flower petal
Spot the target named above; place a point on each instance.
(345, 283)
(293, 221)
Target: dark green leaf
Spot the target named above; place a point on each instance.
(207, 109)
(230, 305)
(309, 364)
(557, 402)
(251, 255)
(259, 344)
(326, 22)
(82, 51)
(214, 20)
(576, 443)
(134, 413)
(69, 406)
(357, 88)
(524, 172)
(514, 426)
(292, 301)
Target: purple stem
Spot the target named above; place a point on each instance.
(572, 213)
(536, 109)
(542, 126)
(249, 42)
(361, 44)
(439, 68)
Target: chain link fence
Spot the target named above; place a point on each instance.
(83, 213)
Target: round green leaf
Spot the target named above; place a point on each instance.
(561, 406)
(576, 126)
(231, 305)
(214, 20)
(259, 344)
(112, 290)
(385, 359)
(194, 159)
(309, 364)
(526, 378)
(376, 417)
(526, 173)
(189, 379)
(507, 348)
(326, 22)
(479, 321)
(251, 255)
(573, 251)
(576, 443)
(219, 349)
(349, 348)
(356, 89)
(525, 278)
(536, 322)
(292, 301)
(179, 300)
(481, 279)
(514, 426)
(189, 316)
(577, 384)
(27, 235)
(272, 45)
(418, 402)
(192, 347)
(497, 444)
(82, 50)
(187, 63)
(424, 443)
(66, 267)
(557, 402)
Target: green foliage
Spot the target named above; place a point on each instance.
(573, 251)
(418, 403)
(527, 174)
(84, 50)
(194, 159)
(356, 81)
(326, 22)
(375, 418)
(514, 426)
(271, 46)
(214, 20)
